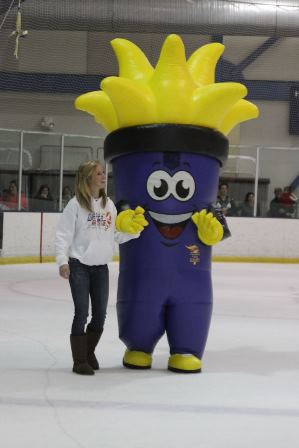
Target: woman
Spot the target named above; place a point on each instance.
(85, 239)
(247, 208)
(43, 200)
(66, 195)
(11, 197)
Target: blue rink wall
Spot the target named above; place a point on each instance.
(29, 237)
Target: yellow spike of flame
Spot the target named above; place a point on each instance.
(100, 106)
(129, 99)
(176, 91)
(133, 63)
(241, 111)
(225, 95)
(202, 63)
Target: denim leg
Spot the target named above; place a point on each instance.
(99, 291)
(80, 284)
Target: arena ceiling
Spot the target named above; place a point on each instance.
(239, 17)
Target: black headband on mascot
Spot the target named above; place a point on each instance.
(166, 137)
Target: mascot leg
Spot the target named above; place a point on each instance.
(141, 325)
(187, 330)
(188, 320)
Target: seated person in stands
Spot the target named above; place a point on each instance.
(224, 202)
(66, 195)
(288, 201)
(3, 200)
(247, 208)
(43, 200)
(10, 199)
(276, 209)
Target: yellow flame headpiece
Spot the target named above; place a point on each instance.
(175, 92)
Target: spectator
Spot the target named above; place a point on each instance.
(276, 209)
(288, 201)
(43, 201)
(224, 202)
(10, 197)
(66, 195)
(247, 208)
(3, 201)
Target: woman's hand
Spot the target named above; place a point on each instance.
(64, 271)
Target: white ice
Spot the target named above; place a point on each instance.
(246, 396)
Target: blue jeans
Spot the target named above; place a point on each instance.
(88, 281)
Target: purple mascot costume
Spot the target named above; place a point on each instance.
(167, 144)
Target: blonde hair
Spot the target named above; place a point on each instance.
(82, 184)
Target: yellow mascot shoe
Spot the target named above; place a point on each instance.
(137, 360)
(184, 363)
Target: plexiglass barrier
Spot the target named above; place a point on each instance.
(44, 165)
(256, 181)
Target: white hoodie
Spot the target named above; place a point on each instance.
(88, 236)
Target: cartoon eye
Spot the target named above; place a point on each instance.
(158, 185)
(184, 186)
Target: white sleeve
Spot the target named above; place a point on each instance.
(65, 233)
(122, 237)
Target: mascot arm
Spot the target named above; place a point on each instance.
(218, 213)
(209, 229)
(131, 221)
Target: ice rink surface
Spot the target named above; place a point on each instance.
(246, 396)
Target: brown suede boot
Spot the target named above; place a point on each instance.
(79, 351)
(92, 341)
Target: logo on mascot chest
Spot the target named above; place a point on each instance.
(194, 254)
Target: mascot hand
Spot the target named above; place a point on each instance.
(209, 229)
(131, 221)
